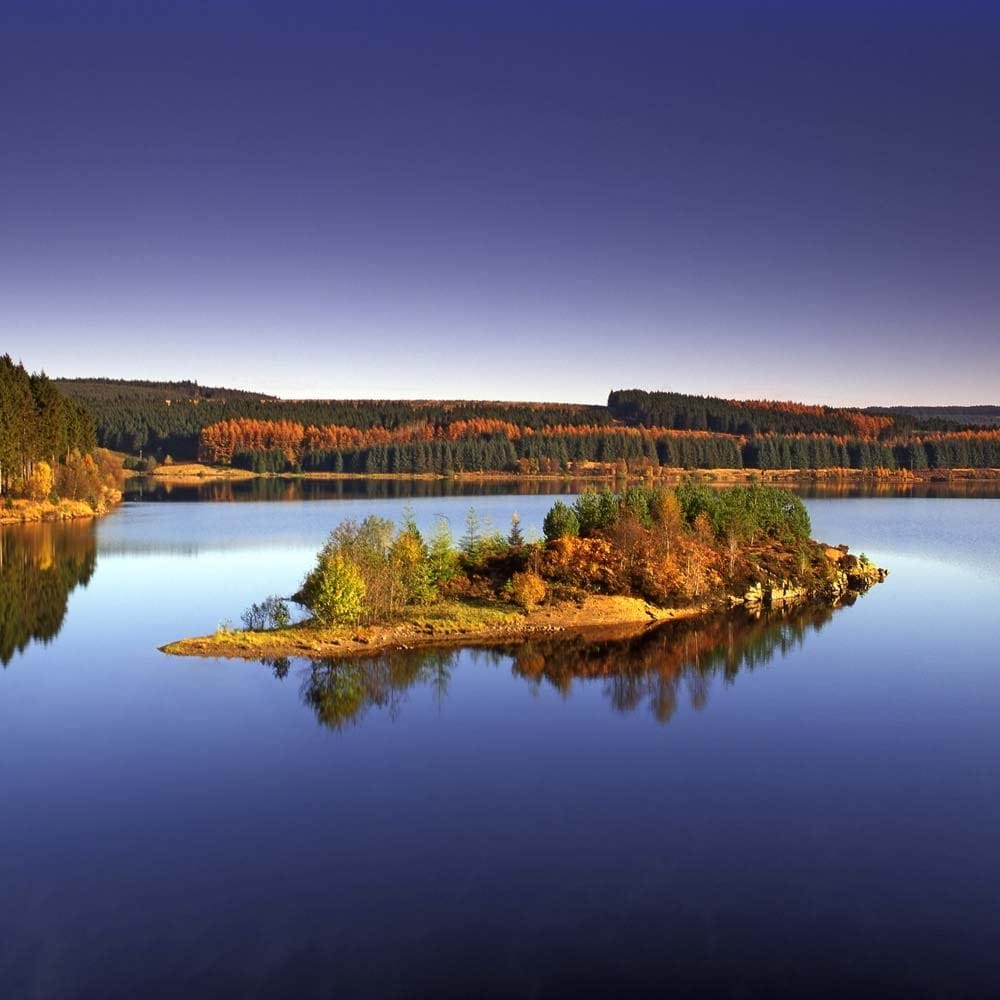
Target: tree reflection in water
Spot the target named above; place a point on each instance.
(40, 566)
(655, 668)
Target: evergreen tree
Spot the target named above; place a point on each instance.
(515, 536)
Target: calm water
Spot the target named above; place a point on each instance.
(795, 807)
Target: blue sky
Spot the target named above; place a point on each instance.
(506, 200)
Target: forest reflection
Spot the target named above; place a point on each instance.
(227, 491)
(40, 566)
(658, 669)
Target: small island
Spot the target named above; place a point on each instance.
(612, 563)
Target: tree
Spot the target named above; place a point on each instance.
(515, 536)
(40, 482)
(272, 612)
(559, 522)
(472, 540)
(410, 564)
(442, 558)
(335, 591)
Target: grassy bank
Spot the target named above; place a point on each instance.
(448, 622)
(28, 511)
(186, 471)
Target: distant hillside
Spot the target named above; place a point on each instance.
(636, 430)
(747, 418)
(167, 418)
(968, 416)
(103, 389)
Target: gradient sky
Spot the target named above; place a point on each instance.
(506, 199)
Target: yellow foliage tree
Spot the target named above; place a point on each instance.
(41, 481)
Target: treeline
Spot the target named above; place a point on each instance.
(540, 453)
(936, 450)
(157, 418)
(637, 428)
(968, 416)
(100, 389)
(276, 447)
(749, 418)
(38, 425)
(464, 445)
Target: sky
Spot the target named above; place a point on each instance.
(506, 200)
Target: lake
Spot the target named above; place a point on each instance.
(740, 808)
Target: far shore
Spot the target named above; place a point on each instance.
(188, 472)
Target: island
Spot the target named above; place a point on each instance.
(612, 563)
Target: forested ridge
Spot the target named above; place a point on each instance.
(636, 429)
(106, 389)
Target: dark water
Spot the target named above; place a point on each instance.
(802, 806)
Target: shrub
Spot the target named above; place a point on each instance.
(335, 590)
(394, 569)
(587, 563)
(272, 612)
(560, 522)
(527, 589)
(750, 511)
(411, 567)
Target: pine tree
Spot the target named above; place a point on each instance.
(515, 536)
(472, 540)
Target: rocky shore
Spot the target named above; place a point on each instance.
(852, 575)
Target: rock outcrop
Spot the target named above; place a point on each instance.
(851, 575)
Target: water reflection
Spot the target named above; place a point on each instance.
(981, 489)
(659, 668)
(155, 489)
(40, 566)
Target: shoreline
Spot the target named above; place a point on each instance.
(457, 623)
(448, 623)
(194, 472)
(38, 511)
